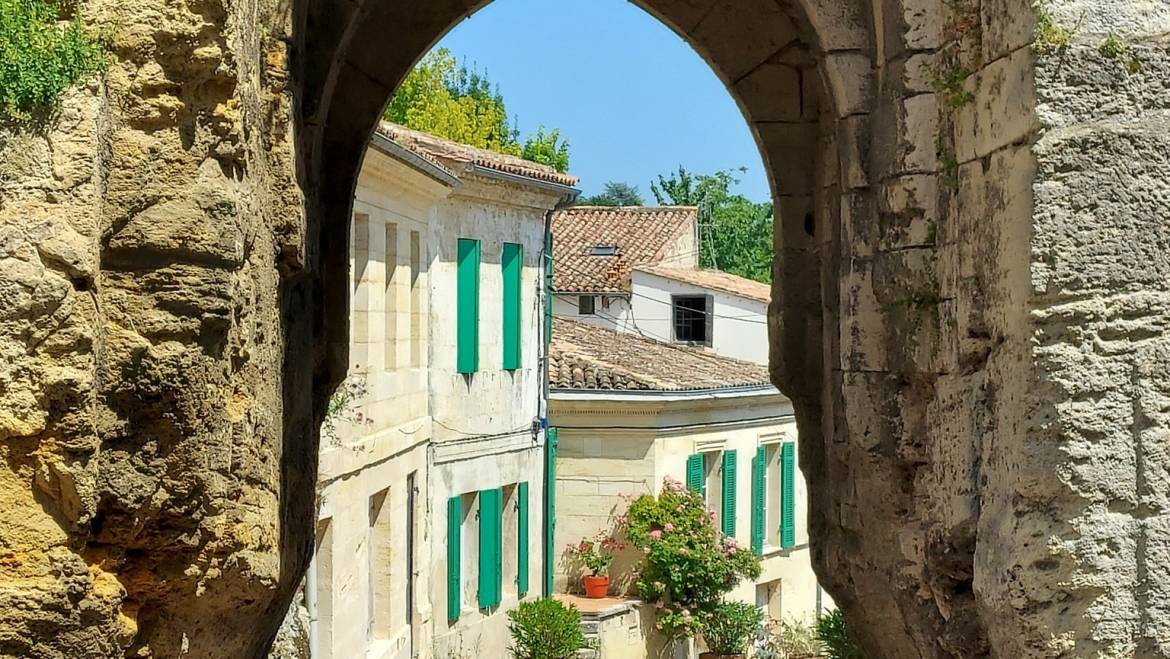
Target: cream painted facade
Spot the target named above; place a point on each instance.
(617, 444)
(487, 424)
(417, 432)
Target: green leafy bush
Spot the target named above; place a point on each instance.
(730, 628)
(545, 629)
(834, 634)
(788, 639)
(687, 563)
(41, 56)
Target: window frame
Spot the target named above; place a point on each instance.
(707, 312)
(581, 299)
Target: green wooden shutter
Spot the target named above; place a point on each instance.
(548, 288)
(695, 473)
(759, 463)
(550, 505)
(729, 464)
(512, 264)
(467, 302)
(522, 539)
(788, 495)
(490, 542)
(454, 556)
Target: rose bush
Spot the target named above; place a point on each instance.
(687, 563)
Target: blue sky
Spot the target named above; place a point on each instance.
(634, 98)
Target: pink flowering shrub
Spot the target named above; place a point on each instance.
(687, 564)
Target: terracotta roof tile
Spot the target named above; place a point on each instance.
(713, 279)
(640, 234)
(587, 357)
(444, 151)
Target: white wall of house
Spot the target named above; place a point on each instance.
(600, 469)
(377, 453)
(420, 432)
(483, 436)
(740, 324)
(610, 312)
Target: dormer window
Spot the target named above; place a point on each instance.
(603, 250)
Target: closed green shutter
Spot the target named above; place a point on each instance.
(550, 506)
(454, 556)
(512, 264)
(467, 303)
(729, 464)
(695, 473)
(759, 463)
(490, 542)
(788, 495)
(522, 539)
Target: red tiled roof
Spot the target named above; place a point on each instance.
(587, 357)
(442, 151)
(640, 234)
(713, 279)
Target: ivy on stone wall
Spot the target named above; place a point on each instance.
(43, 51)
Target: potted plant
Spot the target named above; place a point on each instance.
(596, 555)
(730, 629)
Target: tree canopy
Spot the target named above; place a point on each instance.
(446, 98)
(616, 193)
(735, 233)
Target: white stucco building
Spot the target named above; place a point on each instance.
(631, 411)
(432, 499)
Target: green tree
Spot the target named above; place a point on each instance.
(40, 57)
(445, 98)
(616, 193)
(547, 149)
(735, 233)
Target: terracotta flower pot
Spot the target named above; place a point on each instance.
(596, 587)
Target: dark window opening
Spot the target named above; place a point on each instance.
(585, 305)
(692, 318)
(604, 250)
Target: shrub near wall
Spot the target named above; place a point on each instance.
(41, 56)
(687, 564)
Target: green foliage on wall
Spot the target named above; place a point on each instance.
(735, 233)
(445, 98)
(41, 55)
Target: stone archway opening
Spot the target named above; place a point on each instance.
(802, 76)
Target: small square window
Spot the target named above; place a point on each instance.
(585, 305)
(692, 318)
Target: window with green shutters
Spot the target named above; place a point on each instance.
(491, 543)
(522, 539)
(695, 473)
(512, 265)
(728, 483)
(467, 303)
(759, 464)
(454, 556)
(788, 495)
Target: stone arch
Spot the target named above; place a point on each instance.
(802, 72)
(973, 324)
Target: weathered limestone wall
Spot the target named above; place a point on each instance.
(142, 241)
(1098, 400)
